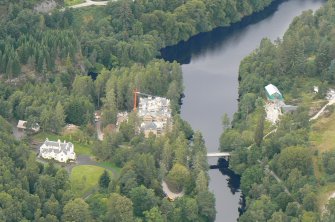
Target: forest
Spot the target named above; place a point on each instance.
(45, 59)
(287, 169)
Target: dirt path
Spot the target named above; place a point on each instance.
(331, 102)
(99, 132)
(89, 3)
(169, 193)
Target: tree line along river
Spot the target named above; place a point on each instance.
(210, 63)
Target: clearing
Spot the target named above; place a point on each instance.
(73, 2)
(322, 136)
(272, 112)
(85, 178)
(322, 139)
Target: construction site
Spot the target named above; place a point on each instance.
(275, 105)
(154, 113)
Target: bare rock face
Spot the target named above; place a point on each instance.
(46, 6)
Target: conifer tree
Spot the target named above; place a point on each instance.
(104, 180)
(259, 133)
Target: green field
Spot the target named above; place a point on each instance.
(73, 2)
(322, 136)
(85, 178)
(111, 166)
(322, 139)
(79, 148)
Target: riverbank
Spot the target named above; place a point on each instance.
(210, 70)
(287, 154)
(198, 44)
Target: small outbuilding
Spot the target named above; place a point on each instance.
(288, 108)
(22, 125)
(273, 93)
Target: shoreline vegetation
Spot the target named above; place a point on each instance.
(44, 61)
(300, 152)
(120, 42)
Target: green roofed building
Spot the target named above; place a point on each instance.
(273, 93)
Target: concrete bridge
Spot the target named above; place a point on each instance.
(222, 154)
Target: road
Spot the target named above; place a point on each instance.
(81, 160)
(331, 102)
(89, 3)
(274, 175)
(100, 134)
(169, 193)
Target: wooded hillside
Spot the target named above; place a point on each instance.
(287, 175)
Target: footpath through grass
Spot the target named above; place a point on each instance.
(85, 179)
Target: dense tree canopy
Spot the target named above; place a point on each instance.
(44, 61)
(282, 173)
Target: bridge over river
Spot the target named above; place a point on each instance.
(222, 154)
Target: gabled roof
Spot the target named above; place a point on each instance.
(149, 126)
(271, 89)
(57, 146)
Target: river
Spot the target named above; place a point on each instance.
(210, 63)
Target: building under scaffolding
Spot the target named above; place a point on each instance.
(155, 113)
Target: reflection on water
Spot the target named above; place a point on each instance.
(233, 178)
(210, 71)
(213, 41)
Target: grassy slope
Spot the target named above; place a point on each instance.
(111, 166)
(73, 2)
(85, 178)
(323, 139)
(323, 134)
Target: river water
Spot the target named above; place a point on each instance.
(210, 63)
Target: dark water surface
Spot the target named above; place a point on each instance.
(210, 69)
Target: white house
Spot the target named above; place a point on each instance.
(60, 151)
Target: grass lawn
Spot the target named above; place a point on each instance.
(85, 178)
(111, 166)
(322, 135)
(79, 148)
(73, 2)
(323, 139)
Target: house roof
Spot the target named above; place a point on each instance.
(289, 108)
(271, 89)
(21, 124)
(57, 146)
(149, 126)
